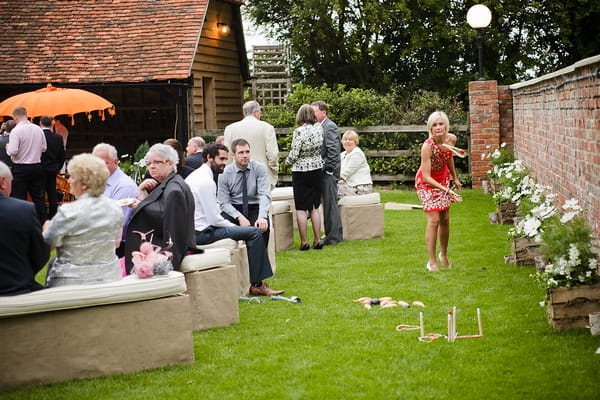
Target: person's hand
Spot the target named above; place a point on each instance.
(243, 221)
(134, 204)
(454, 197)
(458, 184)
(148, 185)
(46, 225)
(261, 224)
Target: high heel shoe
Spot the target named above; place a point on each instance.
(430, 268)
(304, 247)
(441, 262)
(318, 245)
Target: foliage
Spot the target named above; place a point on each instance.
(135, 167)
(428, 45)
(534, 205)
(499, 158)
(567, 245)
(360, 107)
(330, 348)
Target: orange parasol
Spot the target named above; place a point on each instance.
(55, 101)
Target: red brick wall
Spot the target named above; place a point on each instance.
(557, 133)
(553, 124)
(484, 125)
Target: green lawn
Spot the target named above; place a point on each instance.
(328, 347)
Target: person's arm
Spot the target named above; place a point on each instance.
(263, 187)
(295, 148)
(12, 147)
(205, 195)
(272, 151)
(224, 194)
(353, 162)
(331, 145)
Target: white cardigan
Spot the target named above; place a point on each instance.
(355, 169)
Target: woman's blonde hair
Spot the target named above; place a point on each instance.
(351, 135)
(434, 117)
(90, 171)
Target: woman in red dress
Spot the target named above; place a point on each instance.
(433, 187)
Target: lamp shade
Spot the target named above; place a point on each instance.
(479, 16)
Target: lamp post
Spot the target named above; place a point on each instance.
(478, 18)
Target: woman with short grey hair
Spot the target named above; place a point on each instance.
(164, 210)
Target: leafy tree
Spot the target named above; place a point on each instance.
(426, 44)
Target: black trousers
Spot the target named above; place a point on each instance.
(252, 216)
(29, 178)
(50, 187)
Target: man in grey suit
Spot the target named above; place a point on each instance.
(331, 174)
(260, 135)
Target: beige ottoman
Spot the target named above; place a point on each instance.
(213, 287)
(282, 228)
(362, 216)
(84, 331)
(239, 257)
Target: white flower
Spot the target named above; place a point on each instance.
(496, 153)
(552, 283)
(567, 217)
(531, 226)
(573, 255)
(503, 144)
(141, 163)
(572, 204)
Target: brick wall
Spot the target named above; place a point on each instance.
(553, 124)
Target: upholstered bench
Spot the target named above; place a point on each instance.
(282, 227)
(84, 331)
(239, 257)
(362, 216)
(213, 286)
(285, 193)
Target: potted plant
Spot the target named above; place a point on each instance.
(570, 275)
(499, 158)
(513, 179)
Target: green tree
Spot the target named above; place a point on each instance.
(426, 44)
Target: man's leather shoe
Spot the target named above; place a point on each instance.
(264, 290)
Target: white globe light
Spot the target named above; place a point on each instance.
(479, 16)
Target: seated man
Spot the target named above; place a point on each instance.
(118, 187)
(194, 152)
(22, 246)
(245, 191)
(210, 226)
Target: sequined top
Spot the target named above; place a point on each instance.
(84, 233)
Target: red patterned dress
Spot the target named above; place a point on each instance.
(434, 199)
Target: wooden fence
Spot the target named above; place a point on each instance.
(459, 130)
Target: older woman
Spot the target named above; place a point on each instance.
(85, 232)
(305, 159)
(164, 210)
(355, 174)
(433, 187)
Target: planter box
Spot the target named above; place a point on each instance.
(569, 308)
(524, 251)
(495, 187)
(540, 263)
(506, 213)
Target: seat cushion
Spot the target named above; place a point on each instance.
(212, 257)
(282, 193)
(130, 288)
(220, 244)
(371, 198)
(280, 207)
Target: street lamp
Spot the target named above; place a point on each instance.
(479, 17)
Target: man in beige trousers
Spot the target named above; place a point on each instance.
(260, 135)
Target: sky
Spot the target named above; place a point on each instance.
(253, 35)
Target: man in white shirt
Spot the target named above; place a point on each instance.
(210, 225)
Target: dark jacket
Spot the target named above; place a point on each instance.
(331, 148)
(54, 156)
(194, 161)
(22, 247)
(169, 211)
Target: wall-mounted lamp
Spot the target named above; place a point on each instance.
(223, 28)
(479, 17)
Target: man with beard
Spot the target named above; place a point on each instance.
(210, 225)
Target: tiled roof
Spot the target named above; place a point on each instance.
(98, 40)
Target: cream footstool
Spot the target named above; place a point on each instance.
(83, 331)
(285, 193)
(212, 284)
(362, 216)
